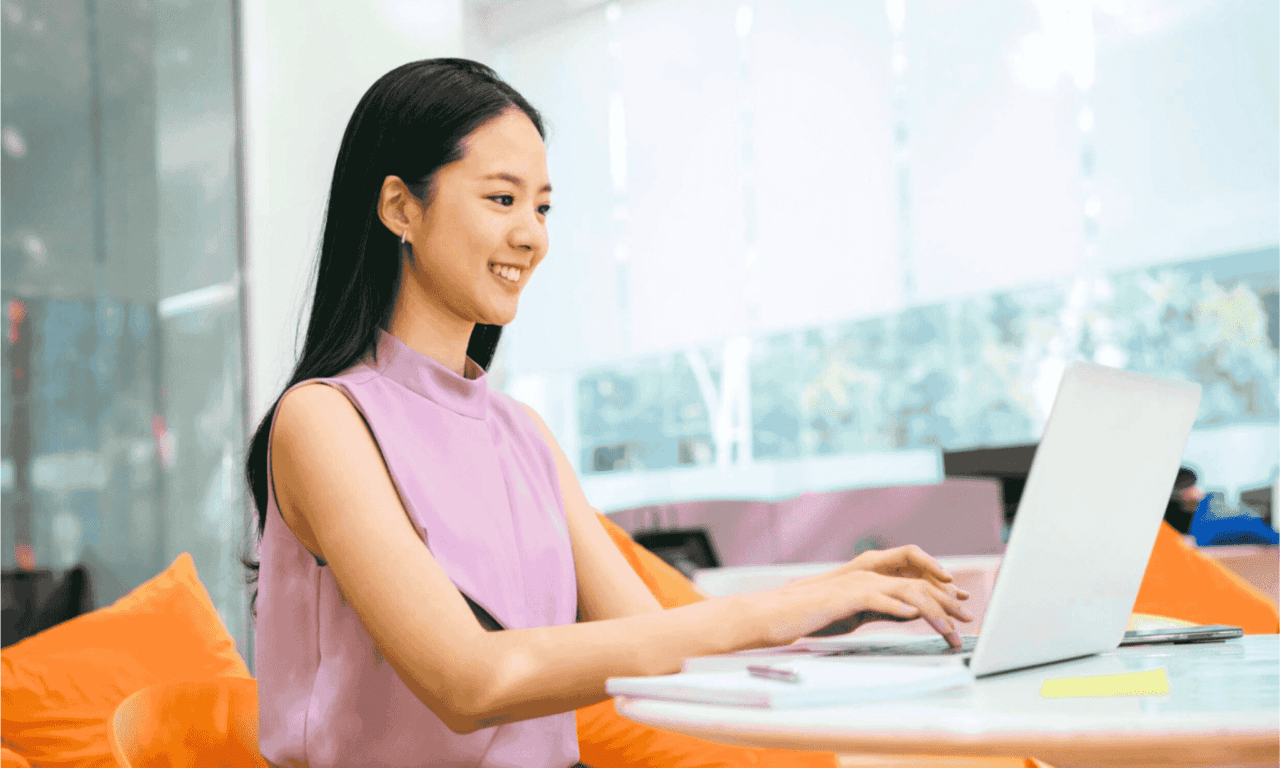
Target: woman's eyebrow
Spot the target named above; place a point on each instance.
(514, 179)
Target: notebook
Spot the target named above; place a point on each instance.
(811, 683)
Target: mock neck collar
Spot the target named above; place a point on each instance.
(431, 379)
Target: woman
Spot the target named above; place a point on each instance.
(405, 509)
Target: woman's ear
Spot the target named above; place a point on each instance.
(397, 206)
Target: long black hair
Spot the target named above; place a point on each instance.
(409, 124)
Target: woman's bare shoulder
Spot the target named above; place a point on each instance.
(314, 398)
(317, 431)
(316, 410)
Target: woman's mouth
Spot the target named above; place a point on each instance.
(507, 272)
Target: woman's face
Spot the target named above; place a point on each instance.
(484, 231)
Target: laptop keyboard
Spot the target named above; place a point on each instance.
(935, 647)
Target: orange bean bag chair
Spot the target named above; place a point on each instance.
(1183, 583)
(59, 688)
(204, 724)
(11, 759)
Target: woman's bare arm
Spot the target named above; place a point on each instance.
(329, 474)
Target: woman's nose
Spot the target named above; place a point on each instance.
(530, 234)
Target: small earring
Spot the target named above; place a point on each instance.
(402, 235)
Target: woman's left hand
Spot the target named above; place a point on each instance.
(909, 561)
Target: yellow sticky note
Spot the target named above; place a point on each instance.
(1151, 682)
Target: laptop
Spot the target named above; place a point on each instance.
(1085, 527)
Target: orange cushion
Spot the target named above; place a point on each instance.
(666, 583)
(11, 759)
(1183, 583)
(62, 685)
(206, 723)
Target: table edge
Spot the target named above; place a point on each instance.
(1222, 746)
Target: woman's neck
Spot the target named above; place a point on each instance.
(438, 335)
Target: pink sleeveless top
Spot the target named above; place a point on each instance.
(481, 487)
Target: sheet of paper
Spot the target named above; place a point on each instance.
(1150, 621)
(1151, 682)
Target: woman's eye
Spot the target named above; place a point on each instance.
(543, 209)
(507, 200)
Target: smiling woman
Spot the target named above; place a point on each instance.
(435, 588)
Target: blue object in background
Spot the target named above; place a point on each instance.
(1215, 524)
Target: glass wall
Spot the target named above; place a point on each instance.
(124, 406)
(819, 227)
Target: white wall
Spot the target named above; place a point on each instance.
(1187, 156)
(306, 65)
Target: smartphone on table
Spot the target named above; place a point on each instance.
(1202, 634)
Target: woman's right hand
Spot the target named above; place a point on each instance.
(796, 610)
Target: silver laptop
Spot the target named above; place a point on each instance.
(1085, 527)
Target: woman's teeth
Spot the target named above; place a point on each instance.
(510, 273)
